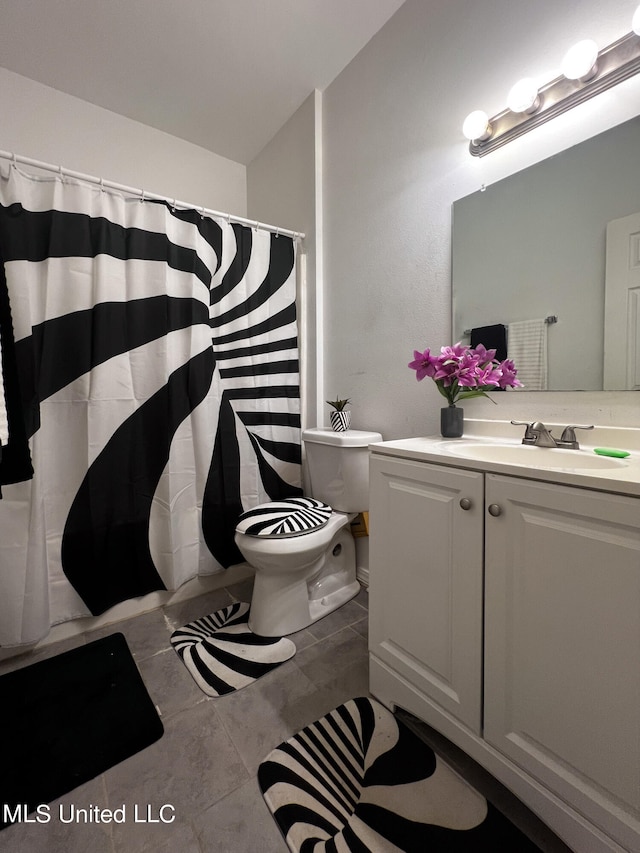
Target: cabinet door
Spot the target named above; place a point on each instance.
(425, 574)
(562, 635)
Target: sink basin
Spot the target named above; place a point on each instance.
(549, 458)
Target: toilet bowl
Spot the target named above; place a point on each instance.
(302, 549)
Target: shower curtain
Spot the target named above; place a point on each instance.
(156, 360)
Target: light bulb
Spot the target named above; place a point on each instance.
(579, 62)
(635, 22)
(476, 126)
(523, 96)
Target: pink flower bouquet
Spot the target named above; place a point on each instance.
(462, 372)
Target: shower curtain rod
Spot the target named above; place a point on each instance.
(143, 194)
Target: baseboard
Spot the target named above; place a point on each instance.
(362, 575)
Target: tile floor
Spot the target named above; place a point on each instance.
(205, 764)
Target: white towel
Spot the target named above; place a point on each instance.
(527, 348)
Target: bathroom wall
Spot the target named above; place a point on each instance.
(281, 189)
(47, 125)
(395, 160)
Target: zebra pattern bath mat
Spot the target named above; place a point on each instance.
(223, 654)
(359, 780)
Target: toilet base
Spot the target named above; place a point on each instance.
(283, 604)
(279, 622)
(331, 602)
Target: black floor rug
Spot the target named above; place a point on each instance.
(223, 655)
(67, 719)
(359, 780)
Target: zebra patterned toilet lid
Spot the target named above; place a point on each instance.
(288, 517)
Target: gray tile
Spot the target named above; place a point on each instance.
(59, 835)
(146, 634)
(362, 598)
(302, 639)
(344, 616)
(149, 827)
(184, 612)
(169, 683)
(190, 768)
(324, 661)
(241, 591)
(362, 628)
(181, 837)
(349, 683)
(240, 823)
(264, 714)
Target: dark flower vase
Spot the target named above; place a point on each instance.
(451, 422)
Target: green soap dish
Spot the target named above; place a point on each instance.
(607, 451)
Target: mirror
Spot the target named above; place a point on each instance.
(533, 246)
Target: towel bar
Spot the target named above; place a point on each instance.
(549, 320)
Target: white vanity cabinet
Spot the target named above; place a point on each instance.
(549, 575)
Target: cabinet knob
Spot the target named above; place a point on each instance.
(465, 503)
(495, 510)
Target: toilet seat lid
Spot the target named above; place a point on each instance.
(288, 517)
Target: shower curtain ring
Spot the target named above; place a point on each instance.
(101, 185)
(173, 206)
(141, 196)
(61, 174)
(202, 212)
(14, 162)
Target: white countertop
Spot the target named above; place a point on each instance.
(622, 477)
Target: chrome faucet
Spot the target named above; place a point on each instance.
(537, 434)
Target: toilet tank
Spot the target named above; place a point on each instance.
(338, 467)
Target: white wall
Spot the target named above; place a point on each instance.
(281, 190)
(281, 179)
(394, 162)
(41, 123)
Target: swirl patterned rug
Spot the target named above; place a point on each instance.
(358, 780)
(222, 654)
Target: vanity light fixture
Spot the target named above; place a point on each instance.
(476, 126)
(524, 97)
(581, 61)
(585, 73)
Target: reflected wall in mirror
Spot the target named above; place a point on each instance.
(534, 245)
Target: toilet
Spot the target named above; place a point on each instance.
(301, 548)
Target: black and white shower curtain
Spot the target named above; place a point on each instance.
(156, 358)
